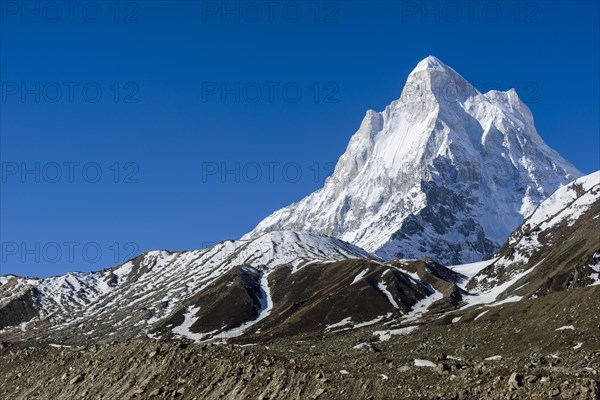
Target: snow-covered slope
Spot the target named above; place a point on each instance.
(445, 172)
(567, 204)
(556, 248)
(129, 298)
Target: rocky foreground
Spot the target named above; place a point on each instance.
(536, 349)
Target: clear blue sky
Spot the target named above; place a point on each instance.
(136, 93)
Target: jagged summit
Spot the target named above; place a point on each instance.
(444, 172)
(431, 63)
(432, 80)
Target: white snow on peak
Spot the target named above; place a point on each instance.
(430, 63)
(284, 247)
(444, 172)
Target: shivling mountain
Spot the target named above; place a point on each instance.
(444, 172)
(452, 254)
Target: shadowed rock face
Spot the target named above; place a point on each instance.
(422, 233)
(312, 298)
(439, 277)
(230, 301)
(19, 309)
(320, 295)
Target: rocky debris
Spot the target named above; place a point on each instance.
(77, 379)
(553, 392)
(530, 379)
(515, 381)
(442, 369)
(211, 371)
(530, 360)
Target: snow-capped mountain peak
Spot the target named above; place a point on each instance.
(432, 77)
(431, 63)
(444, 172)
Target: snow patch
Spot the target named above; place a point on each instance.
(386, 335)
(383, 289)
(423, 305)
(566, 327)
(359, 276)
(481, 315)
(493, 358)
(344, 322)
(189, 317)
(511, 299)
(424, 363)
(491, 295)
(470, 270)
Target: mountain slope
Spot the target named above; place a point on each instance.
(290, 284)
(556, 248)
(280, 284)
(444, 172)
(126, 301)
(314, 299)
